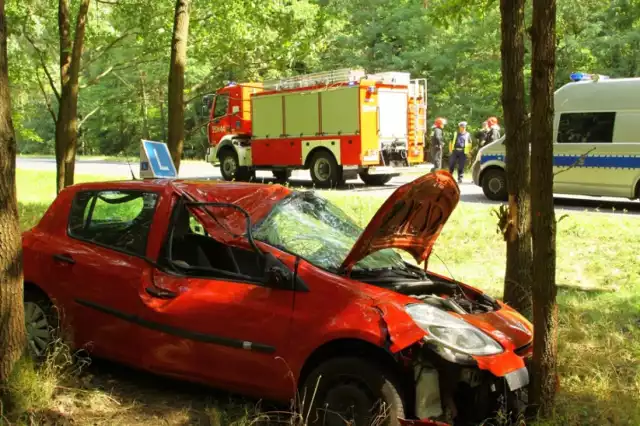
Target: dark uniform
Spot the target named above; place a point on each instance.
(437, 142)
(459, 148)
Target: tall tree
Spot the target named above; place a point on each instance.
(176, 80)
(67, 119)
(545, 309)
(12, 332)
(517, 282)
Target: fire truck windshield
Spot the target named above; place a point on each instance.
(317, 230)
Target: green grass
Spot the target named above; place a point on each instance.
(599, 335)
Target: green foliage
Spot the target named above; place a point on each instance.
(125, 66)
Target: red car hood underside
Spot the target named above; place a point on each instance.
(410, 219)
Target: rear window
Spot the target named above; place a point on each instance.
(115, 219)
(586, 127)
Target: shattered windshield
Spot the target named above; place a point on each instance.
(318, 231)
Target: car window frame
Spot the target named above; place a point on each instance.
(163, 259)
(93, 202)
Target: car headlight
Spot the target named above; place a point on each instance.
(452, 332)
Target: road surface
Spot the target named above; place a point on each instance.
(470, 193)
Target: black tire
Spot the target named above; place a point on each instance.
(40, 316)
(351, 389)
(494, 184)
(374, 180)
(229, 167)
(324, 170)
(281, 176)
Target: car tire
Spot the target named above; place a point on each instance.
(374, 180)
(41, 323)
(351, 389)
(281, 176)
(229, 168)
(494, 184)
(324, 170)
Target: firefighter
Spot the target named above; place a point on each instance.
(493, 133)
(459, 148)
(437, 143)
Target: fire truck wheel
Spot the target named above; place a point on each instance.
(228, 164)
(374, 180)
(281, 175)
(325, 172)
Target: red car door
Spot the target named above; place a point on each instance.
(225, 333)
(228, 328)
(99, 265)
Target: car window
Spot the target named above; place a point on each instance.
(117, 219)
(586, 127)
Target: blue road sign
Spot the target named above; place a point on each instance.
(158, 160)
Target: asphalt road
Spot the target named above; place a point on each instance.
(470, 193)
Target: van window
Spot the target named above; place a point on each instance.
(586, 127)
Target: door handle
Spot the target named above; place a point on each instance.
(65, 258)
(161, 293)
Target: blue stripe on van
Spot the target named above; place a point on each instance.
(614, 161)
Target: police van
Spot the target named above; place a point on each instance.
(596, 149)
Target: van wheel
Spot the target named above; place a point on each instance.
(324, 170)
(494, 185)
(351, 391)
(374, 180)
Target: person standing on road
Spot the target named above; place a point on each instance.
(493, 132)
(437, 143)
(459, 148)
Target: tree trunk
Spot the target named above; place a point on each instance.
(163, 123)
(545, 309)
(176, 80)
(12, 331)
(517, 282)
(143, 107)
(67, 123)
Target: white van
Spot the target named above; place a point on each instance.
(596, 149)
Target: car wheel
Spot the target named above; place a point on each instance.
(494, 185)
(351, 391)
(374, 180)
(230, 169)
(281, 175)
(41, 322)
(325, 172)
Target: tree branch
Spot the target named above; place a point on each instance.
(575, 163)
(107, 48)
(97, 78)
(46, 98)
(86, 117)
(43, 64)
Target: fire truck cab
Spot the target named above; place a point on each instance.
(337, 124)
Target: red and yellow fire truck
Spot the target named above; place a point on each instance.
(337, 124)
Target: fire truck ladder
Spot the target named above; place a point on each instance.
(344, 75)
(418, 94)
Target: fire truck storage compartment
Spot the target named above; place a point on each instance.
(393, 115)
(324, 112)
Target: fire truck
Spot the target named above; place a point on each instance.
(337, 124)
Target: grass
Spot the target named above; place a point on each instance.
(599, 335)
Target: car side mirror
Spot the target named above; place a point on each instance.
(279, 277)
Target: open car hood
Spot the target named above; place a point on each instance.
(410, 219)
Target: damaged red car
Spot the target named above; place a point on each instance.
(276, 294)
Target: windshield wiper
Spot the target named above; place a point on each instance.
(393, 270)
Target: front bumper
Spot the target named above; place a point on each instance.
(449, 393)
(475, 172)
